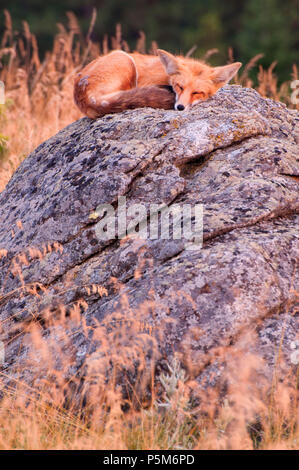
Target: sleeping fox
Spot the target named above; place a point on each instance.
(119, 81)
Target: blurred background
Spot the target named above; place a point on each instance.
(249, 27)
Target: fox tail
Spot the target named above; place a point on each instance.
(152, 96)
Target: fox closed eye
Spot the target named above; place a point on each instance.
(199, 94)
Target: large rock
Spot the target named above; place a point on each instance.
(237, 154)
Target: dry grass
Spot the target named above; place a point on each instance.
(170, 411)
(246, 419)
(123, 403)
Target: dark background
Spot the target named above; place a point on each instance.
(250, 27)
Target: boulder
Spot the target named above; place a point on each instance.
(136, 301)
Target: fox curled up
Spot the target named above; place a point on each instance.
(119, 81)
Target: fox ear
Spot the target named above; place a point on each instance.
(222, 75)
(169, 62)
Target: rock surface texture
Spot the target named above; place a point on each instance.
(237, 154)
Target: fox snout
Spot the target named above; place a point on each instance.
(180, 105)
(183, 100)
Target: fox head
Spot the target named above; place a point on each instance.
(194, 81)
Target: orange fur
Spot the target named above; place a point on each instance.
(119, 81)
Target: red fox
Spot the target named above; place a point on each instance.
(119, 81)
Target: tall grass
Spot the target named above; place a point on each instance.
(117, 398)
(124, 402)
